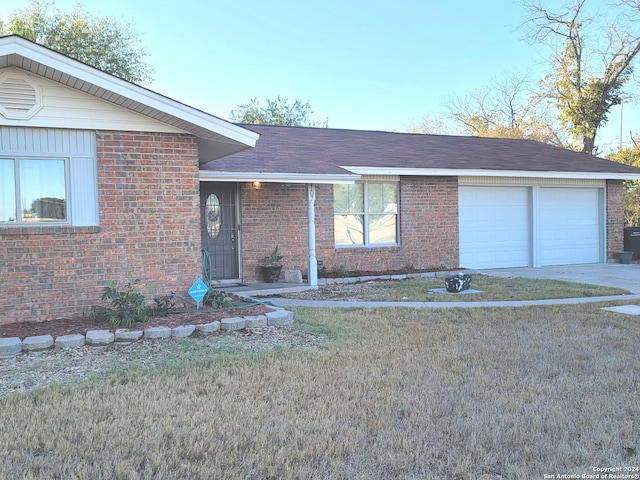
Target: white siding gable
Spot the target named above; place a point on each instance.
(65, 107)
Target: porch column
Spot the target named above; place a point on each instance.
(312, 272)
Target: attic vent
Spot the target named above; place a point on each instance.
(20, 99)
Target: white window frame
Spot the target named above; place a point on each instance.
(79, 151)
(19, 222)
(366, 233)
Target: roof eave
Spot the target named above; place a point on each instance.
(40, 60)
(455, 172)
(218, 176)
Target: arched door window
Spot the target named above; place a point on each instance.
(212, 214)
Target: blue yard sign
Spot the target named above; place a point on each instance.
(198, 290)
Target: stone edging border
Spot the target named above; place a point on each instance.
(12, 346)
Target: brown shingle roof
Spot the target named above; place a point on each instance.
(301, 150)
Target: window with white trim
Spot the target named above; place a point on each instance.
(48, 177)
(33, 190)
(365, 214)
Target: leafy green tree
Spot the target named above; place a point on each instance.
(275, 112)
(593, 61)
(631, 198)
(101, 42)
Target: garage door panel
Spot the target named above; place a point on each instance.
(494, 226)
(569, 226)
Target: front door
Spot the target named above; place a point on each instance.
(220, 228)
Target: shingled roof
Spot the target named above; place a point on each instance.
(302, 151)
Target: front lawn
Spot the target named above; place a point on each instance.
(490, 289)
(398, 393)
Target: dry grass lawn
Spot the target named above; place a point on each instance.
(490, 289)
(402, 393)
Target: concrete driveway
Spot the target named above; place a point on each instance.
(609, 274)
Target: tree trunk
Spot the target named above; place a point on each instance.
(588, 144)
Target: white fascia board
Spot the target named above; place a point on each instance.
(211, 176)
(454, 172)
(76, 69)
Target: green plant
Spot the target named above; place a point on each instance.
(340, 271)
(217, 299)
(128, 306)
(273, 258)
(408, 267)
(163, 304)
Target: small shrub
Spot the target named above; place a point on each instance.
(217, 299)
(127, 306)
(322, 272)
(408, 267)
(340, 271)
(163, 304)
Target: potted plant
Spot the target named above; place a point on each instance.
(271, 266)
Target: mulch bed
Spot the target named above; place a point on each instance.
(80, 325)
(325, 273)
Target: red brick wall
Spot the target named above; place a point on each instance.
(615, 219)
(276, 214)
(149, 229)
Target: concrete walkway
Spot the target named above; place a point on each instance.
(607, 274)
(289, 302)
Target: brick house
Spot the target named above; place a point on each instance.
(382, 200)
(105, 180)
(99, 181)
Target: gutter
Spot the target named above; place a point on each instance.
(455, 172)
(308, 178)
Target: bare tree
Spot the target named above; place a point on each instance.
(593, 55)
(429, 125)
(508, 108)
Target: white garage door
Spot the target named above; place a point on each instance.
(568, 226)
(494, 226)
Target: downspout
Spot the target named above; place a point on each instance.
(312, 272)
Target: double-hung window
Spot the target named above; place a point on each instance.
(366, 214)
(33, 191)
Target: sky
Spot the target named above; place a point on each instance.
(367, 65)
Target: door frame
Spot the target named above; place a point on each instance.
(238, 239)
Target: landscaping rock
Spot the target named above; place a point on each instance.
(293, 276)
(10, 347)
(153, 333)
(182, 331)
(234, 323)
(126, 335)
(256, 321)
(280, 317)
(36, 344)
(98, 338)
(65, 342)
(208, 327)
